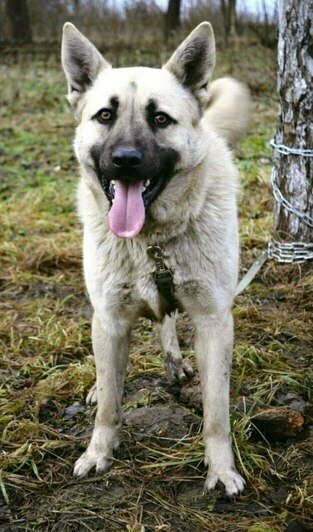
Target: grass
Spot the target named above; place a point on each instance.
(46, 364)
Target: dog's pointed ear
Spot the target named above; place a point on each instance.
(194, 60)
(81, 62)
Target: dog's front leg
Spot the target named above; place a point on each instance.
(110, 348)
(213, 345)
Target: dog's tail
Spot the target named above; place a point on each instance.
(228, 109)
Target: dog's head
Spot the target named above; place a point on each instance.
(138, 127)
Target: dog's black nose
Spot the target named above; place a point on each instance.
(126, 157)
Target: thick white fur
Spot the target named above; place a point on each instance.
(194, 220)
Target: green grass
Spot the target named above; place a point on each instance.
(45, 346)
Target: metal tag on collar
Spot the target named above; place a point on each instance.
(156, 253)
(162, 272)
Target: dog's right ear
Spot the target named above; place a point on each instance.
(81, 62)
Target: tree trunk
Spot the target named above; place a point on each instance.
(17, 13)
(294, 173)
(172, 17)
(228, 8)
(232, 18)
(76, 9)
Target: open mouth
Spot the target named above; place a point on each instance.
(149, 193)
(129, 201)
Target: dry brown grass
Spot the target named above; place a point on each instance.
(157, 479)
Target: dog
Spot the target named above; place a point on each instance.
(157, 200)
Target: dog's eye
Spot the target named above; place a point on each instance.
(104, 116)
(162, 120)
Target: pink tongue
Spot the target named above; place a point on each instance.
(127, 214)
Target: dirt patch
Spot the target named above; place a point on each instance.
(163, 422)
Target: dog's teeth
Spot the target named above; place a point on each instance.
(113, 183)
(147, 183)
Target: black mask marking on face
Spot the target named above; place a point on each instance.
(157, 167)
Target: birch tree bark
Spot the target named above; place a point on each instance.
(295, 121)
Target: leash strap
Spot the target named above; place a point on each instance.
(251, 273)
(163, 278)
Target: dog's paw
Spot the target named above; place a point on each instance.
(99, 452)
(178, 370)
(87, 461)
(92, 398)
(233, 482)
(185, 372)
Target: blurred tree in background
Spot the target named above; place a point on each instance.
(172, 17)
(228, 8)
(133, 21)
(19, 23)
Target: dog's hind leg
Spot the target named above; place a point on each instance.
(177, 369)
(91, 398)
(213, 345)
(110, 347)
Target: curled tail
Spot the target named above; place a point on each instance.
(228, 109)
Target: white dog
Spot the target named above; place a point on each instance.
(157, 198)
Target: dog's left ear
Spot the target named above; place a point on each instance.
(194, 60)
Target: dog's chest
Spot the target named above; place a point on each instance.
(120, 279)
(123, 279)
